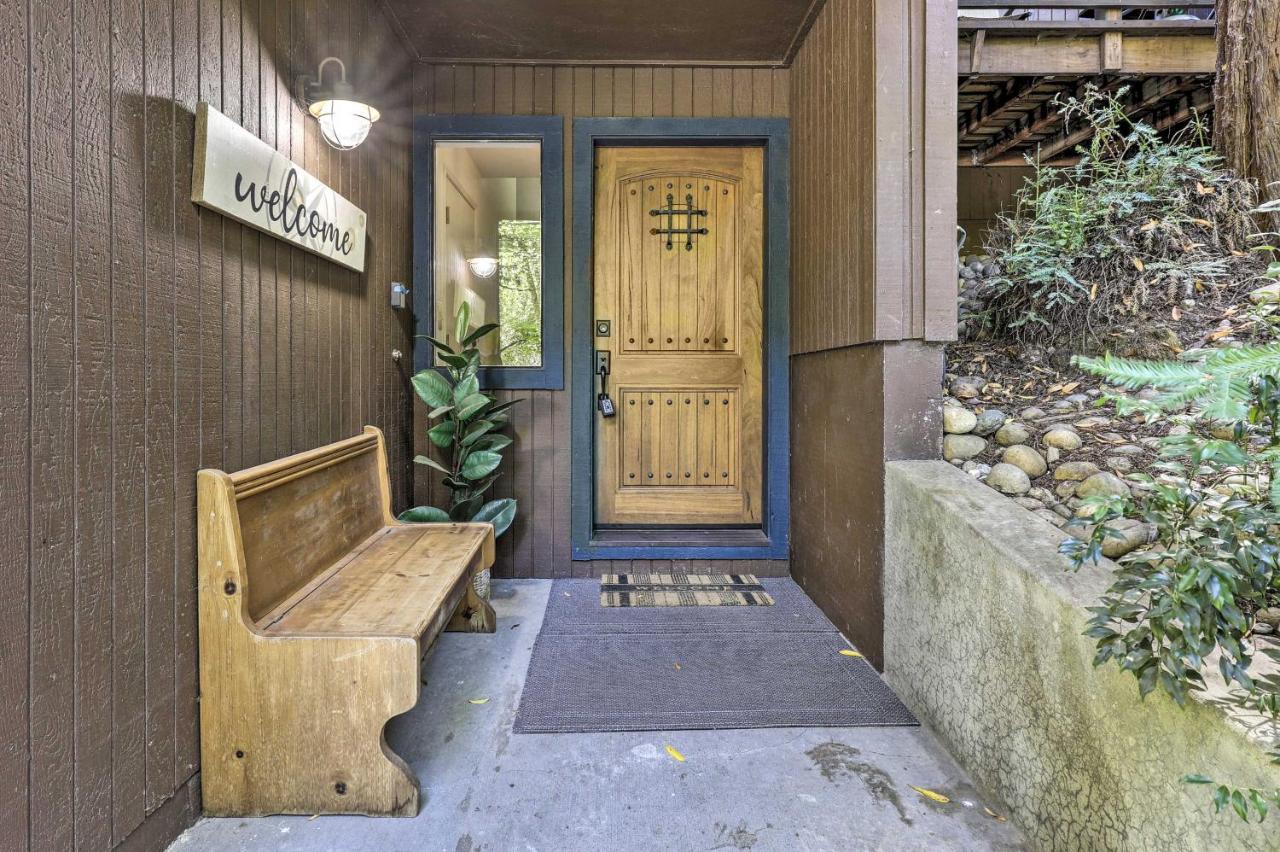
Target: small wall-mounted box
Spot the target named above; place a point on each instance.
(399, 296)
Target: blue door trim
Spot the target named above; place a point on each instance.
(774, 135)
(549, 131)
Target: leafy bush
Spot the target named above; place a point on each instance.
(1138, 222)
(467, 429)
(1215, 502)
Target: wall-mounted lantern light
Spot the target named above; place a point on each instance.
(344, 120)
(484, 267)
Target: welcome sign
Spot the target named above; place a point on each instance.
(239, 175)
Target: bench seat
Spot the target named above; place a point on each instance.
(316, 609)
(397, 582)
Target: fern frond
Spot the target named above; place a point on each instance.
(1133, 373)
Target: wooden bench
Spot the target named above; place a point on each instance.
(316, 608)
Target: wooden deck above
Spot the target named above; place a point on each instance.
(1014, 61)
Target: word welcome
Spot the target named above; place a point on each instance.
(239, 175)
(276, 203)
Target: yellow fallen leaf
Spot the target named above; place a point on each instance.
(930, 794)
(1150, 226)
(675, 666)
(849, 652)
(1201, 189)
(477, 701)
(1093, 293)
(1138, 264)
(671, 750)
(1176, 314)
(1204, 223)
(992, 814)
(1069, 387)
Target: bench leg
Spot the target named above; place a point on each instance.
(473, 615)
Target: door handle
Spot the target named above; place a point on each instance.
(603, 402)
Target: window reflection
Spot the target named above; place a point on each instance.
(488, 245)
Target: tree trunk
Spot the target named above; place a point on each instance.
(1246, 125)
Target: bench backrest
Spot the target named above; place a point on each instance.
(299, 515)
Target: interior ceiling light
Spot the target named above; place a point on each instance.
(344, 120)
(484, 267)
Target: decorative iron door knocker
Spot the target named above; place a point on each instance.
(671, 211)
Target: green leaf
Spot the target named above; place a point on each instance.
(442, 433)
(465, 509)
(438, 344)
(479, 333)
(465, 388)
(493, 442)
(500, 513)
(433, 388)
(439, 412)
(503, 406)
(480, 464)
(458, 362)
(424, 515)
(471, 405)
(476, 431)
(461, 321)
(431, 463)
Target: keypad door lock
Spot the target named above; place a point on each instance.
(603, 401)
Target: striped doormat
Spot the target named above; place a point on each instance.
(628, 590)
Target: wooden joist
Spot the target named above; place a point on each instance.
(1162, 102)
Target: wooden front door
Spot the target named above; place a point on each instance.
(678, 288)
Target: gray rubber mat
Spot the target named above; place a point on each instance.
(592, 672)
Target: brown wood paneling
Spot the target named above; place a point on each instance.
(981, 195)
(887, 395)
(873, 199)
(144, 338)
(538, 474)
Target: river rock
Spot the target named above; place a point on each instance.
(1093, 423)
(1270, 615)
(1009, 479)
(1050, 516)
(1012, 433)
(1028, 503)
(976, 469)
(1129, 536)
(1119, 464)
(1063, 439)
(1044, 495)
(1025, 458)
(989, 421)
(957, 420)
(1102, 484)
(1270, 294)
(1031, 413)
(1075, 470)
(962, 447)
(967, 387)
(1065, 490)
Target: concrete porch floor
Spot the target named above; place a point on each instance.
(766, 789)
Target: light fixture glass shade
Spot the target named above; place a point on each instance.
(484, 267)
(344, 124)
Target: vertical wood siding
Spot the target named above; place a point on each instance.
(537, 468)
(873, 140)
(144, 338)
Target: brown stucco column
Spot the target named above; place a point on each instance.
(853, 409)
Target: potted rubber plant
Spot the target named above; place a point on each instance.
(466, 424)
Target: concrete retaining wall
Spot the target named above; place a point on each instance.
(983, 641)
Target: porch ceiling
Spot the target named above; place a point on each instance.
(738, 31)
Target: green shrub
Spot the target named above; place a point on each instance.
(1139, 222)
